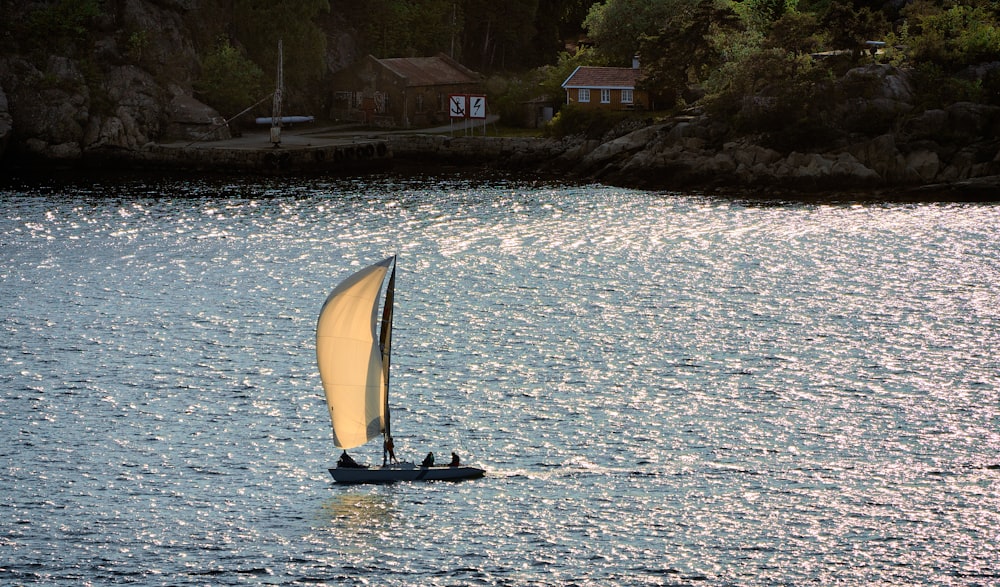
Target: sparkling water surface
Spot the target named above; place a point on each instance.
(665, 389)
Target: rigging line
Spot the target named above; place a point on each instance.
(227, 121)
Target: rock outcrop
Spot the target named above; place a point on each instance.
(6, 126)
(62, 107)
(954, 144)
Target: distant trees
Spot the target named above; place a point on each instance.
(394, 28)
(260, 24)
(59, 25)
(617, 26)
(723, 48)
(486, 35)
(956, 36)
(711, 43)
(241, 67)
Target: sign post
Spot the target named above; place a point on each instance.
(477, 109)
(466, 106)
(456, 106)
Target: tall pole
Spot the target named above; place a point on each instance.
(276, 105)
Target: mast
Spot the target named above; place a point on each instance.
(385, 342)
(276, 104)
(349, 356)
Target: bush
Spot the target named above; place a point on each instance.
(229, 81)
(592, 123)
(59, 25)
(955, 38)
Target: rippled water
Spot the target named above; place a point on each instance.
(664, 389)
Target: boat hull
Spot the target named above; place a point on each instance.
(404, 472)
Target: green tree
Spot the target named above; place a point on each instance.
(617, 26)
(260, 24)
(229, 81)
(54, 26)
(797, 32)
(686, 48)
(850, 28)
(954, 38)
(552, 77)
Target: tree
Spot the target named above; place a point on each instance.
(407, 28)
(685, 48)
(260, 24)
(498, 35)
(797, 32)
(229, 81)
(954, 38)
(850, 28)
(60, 25)
(617, 26)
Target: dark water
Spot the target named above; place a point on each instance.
(664, 389)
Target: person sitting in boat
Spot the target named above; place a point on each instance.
(428, 460)
(390, 449)
(346, 462)
(454, 460)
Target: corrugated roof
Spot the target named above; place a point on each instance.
(602, 77)
(429, 71)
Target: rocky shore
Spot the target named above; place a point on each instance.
(949, 153)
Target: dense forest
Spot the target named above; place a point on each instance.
(714, 53)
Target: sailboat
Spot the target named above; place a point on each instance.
(353, 348)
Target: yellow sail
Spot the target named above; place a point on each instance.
(350, 360)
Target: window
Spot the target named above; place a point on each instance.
(420, 102)
(605, 96)
(584, 95)
(626, 96)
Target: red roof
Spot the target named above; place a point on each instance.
(430, 71)
(602, 77)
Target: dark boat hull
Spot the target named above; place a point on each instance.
(404, 472)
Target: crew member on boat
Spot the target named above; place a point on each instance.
(428, 460)
(389, 449)
(454, 460)
(347, 462)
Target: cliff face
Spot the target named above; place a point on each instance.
(132, 89)
(132, 84)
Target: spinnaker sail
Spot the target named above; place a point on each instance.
(352, 366)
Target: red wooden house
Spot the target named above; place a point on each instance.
(612, 88)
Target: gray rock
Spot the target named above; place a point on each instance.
(924, 164)
(190, 119)
(6, 122)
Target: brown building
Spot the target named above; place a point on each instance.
(401, 92)
(612, 88)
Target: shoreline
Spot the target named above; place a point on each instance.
(331, 150)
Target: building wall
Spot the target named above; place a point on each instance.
(428, 105)
(639, 99)
(369, 93)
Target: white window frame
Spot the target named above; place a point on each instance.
(605, 95)
(583, 95)
(627, 96)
